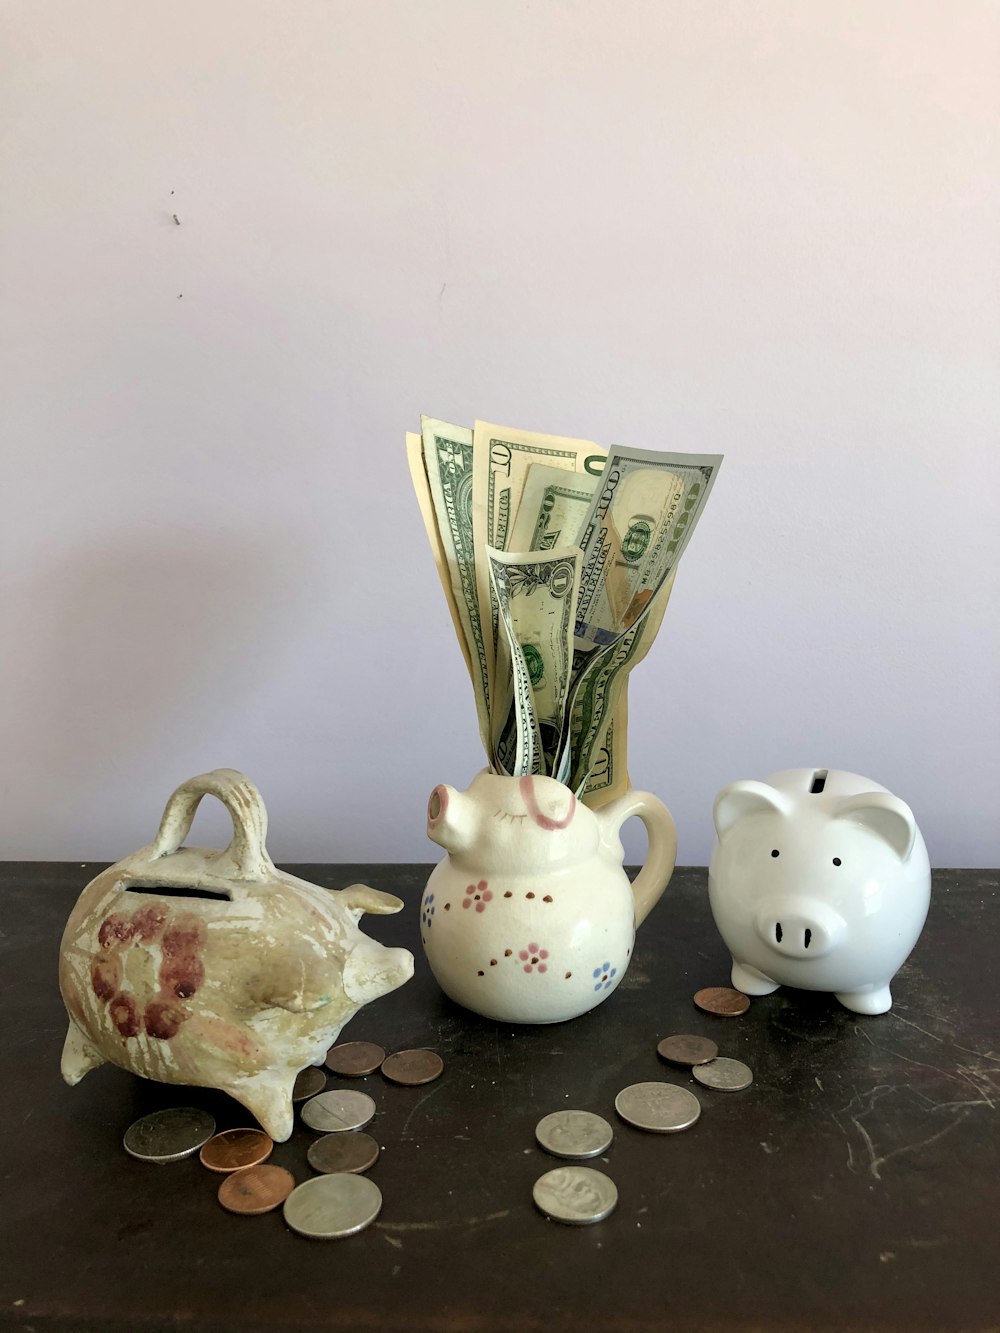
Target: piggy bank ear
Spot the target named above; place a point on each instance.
(745, 798)
(888, 816)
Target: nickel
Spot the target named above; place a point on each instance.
(660, 1108)
(234, 1149)
(167, 1136)
(413, 1067)
(258, 1189)
(724, 1075)
(577, 1195)
(334, 1112)
(343, 1152)
(687, 1050)
(354, 1058)
(328, 1207)
(722, 1001)
(574, 1134)
(307, 1083)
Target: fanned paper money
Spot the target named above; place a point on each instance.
(557, 559)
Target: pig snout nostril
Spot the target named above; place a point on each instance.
(807, 938)
(777, 931)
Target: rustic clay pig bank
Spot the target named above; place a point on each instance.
(530, 918)
(820, 879)
(238, 989)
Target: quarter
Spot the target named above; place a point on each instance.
(660, 1108)
(724, 1075)
(574, 1134)
(332, 1112)
(722, 1001)
(328, 1207)
(577, 1195)
(234, 1149)
(343, 1152)
(257, 1189)
(307, 1083)
(413, 1067)
(169, 1135)
(351, 1059)
(687, 1050)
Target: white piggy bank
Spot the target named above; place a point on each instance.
(819, 879)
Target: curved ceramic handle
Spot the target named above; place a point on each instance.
(246, 809)
(655, 874)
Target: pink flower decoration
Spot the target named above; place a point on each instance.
(532, 958)
(478, 894)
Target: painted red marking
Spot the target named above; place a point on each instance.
(148, 921)
(125, 1015)
(182, 976)
(542, 820)
(163, 1019)
(114, 928)
(105, 976)
(186, 934)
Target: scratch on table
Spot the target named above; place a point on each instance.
(416, 1107)
(443, 1225)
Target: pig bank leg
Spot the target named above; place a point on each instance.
(79, 1057)
(868, 1000)
(269, 1100)
(751, 982)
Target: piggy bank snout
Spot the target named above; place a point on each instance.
(798, 926)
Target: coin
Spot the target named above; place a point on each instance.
(328, 1207)
(167, 1136)
(661, 1108)
(722, 1001)
(413, 1067)
(256, 1189)
(332, 1112)
(724, 1075)
(577, 1195)
(574, 1134)
(307, 1083)
(687, 1050)
(234, 1149)
(343, 1152)
(354, 1058)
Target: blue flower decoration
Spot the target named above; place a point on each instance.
(604, 975)
(428, 911)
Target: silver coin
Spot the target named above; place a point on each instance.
(724, 1075)
(661, 1108)
(342, 1109)
(308, 1082)
(574, 1134)
(577, 1195)
(167, 1136)
(328, 1207)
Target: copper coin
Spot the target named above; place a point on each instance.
(683, 1049)
(234, 1149)
(722, 1001)
(256, 1189)
(354, 1058)
(354, 1152)
(308, 1083)
(413, 1067)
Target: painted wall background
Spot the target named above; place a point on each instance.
(768, 229)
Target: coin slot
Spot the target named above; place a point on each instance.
(807, 938)
(177, 891)
(819, 781)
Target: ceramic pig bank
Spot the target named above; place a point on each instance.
(820, 879)
(214, 968)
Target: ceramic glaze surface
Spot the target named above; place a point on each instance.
(819, 879)
(530, 918)
(239, 988)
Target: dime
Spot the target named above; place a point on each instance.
(308, 1082)
(234, 1149)
(332, 1112)
(724, 1075)
(354, 1058)
(687, 1050)
(574, 1134)
(328, 1207)
(413, 1067)
(661, 1108)
(343, 1152)
(577, 1195)
(257, 1189)
(167, 1136)
(722, 1001)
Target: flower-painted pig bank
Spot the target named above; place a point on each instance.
(819, 879)
(530, 918)
(214, 968)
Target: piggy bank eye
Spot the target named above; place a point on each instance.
(775, 852)
(836, 861)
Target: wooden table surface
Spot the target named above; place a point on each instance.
(856, 1185)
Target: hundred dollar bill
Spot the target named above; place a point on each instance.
(536, 594)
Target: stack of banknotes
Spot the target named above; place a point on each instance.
(557, 558)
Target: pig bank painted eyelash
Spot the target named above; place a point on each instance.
(505, 814)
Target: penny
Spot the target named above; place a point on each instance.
(256, 1189)
(354, 1058)
(307, 1083)
(574, 1134)
(577, 1195)
(660, 1108)
(333, 1112)
(683, 1049)
(343, 1152)
(413, 1067)
(722, 1001)
(328, 1207)
(167, 1136)
(724, 1075)
(234, 1149)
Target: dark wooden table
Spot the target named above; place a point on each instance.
(856, 1185)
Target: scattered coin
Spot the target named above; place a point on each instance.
(343, 1152)
(722, 1001)
(328, 1207)
(413, 1067)
(687, 1050)
(307, 1083)
(577, 1195)
(234, 1149)
(256, 1189)
(333, 1112)
(724, 1075)
(354, 1058)
(574, 1134)
(661, 1108)
(169, 1135)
